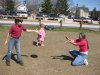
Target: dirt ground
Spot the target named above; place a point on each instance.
(53, 59)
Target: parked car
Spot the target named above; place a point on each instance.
(95, 19)
(62, 16)
(85, 20)
(53, 16)
(49, 27)
(40, 15)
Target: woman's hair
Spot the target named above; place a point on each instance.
(84, 37)
(18, 20)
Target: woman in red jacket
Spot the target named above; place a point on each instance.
(81, 55)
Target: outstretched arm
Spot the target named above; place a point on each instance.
(70, 40)
(29, 30)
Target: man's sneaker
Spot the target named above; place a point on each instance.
(21, 63)
(7, 63)
(86, 62)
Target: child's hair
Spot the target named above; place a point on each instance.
(18, 20)
(84, 37)
(42, 25)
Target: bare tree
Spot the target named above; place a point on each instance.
(33, 4)
(3, 3)
(16, 2)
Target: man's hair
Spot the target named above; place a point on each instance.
(18, 20)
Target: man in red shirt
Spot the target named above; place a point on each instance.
(14, 35)
(81, 55)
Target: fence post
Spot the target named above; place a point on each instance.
(61, 23)
(40, 21)
(81, 22)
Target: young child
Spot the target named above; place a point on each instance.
(41, 35)
(80, 57)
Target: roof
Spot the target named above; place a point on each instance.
(83, 8)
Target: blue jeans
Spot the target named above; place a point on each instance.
(79, 58)
(13, 42)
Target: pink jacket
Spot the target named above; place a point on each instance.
(41, 34)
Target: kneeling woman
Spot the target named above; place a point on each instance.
(80, 57)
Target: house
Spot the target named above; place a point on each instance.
(83, 12)
(22, 10)
(21, 7)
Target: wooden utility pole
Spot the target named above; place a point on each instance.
(40, 21)
(81, 22)
(61, 23)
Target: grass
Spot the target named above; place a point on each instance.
(65, 29)
(73, 30)
(5, 28)
(32, 27)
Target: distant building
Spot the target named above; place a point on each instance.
(21, 7)
(22, 10)
(83, 11)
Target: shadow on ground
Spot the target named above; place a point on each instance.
(34, 56)
(63, 57)
(13, 57)
(35, 43)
